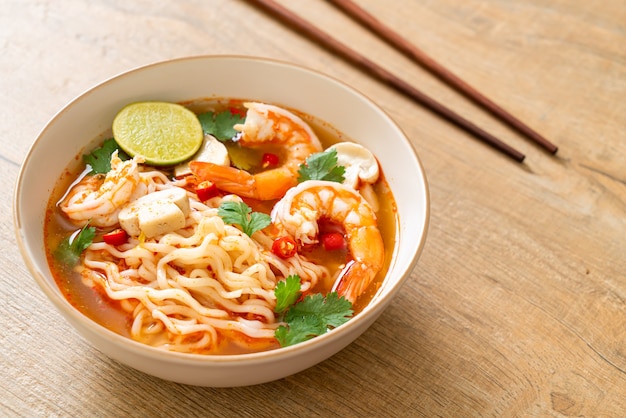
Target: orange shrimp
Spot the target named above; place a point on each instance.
(299, 210)
(265, 124)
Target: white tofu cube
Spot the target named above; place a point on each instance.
(156, 213)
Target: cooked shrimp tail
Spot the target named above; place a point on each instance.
(359, 272)
(266, 185)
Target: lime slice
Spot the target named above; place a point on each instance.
(163, 133)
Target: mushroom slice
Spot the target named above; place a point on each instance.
(360, 164)
(211, 151)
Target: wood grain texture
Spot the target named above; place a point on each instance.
(517, 306)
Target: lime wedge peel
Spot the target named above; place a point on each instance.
(162, 133)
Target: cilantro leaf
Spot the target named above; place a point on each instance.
(221, 124)
(299, 330)
(238, 213)
(311, 317)
(329, 311)
(69, 250)
(287, 293)
(322, 166)
(100, 158)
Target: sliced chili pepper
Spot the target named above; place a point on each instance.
(117, 237)
(333, 241)
(269, 160)
(284, 247)
(237, 111)
(206, 190)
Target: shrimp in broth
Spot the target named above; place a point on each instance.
(301, 208)
(98, 199)
(265, 124)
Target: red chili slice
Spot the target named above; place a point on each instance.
(237, 111)
(333, 241)
(206, 190)
(269, 160)
(117, 237)
(284, 247)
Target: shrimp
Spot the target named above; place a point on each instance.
(299, 210)
(265, 124)
(98, 199)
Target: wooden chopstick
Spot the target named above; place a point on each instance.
(383, 75)
(420, 57)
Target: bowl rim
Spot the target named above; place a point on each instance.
(373, 309)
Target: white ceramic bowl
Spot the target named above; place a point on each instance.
(86, 117)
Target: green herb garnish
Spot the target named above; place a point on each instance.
(100, 158)
(221, 124)
(322, 166)
(238, 213)
(287, 293)
(312, 316)
(69, 250)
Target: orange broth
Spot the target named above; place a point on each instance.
(95, 304)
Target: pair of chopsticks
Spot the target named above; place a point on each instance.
(375, 70)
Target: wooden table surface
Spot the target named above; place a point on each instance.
(517, 306)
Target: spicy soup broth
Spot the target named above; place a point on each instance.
(95, 304)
